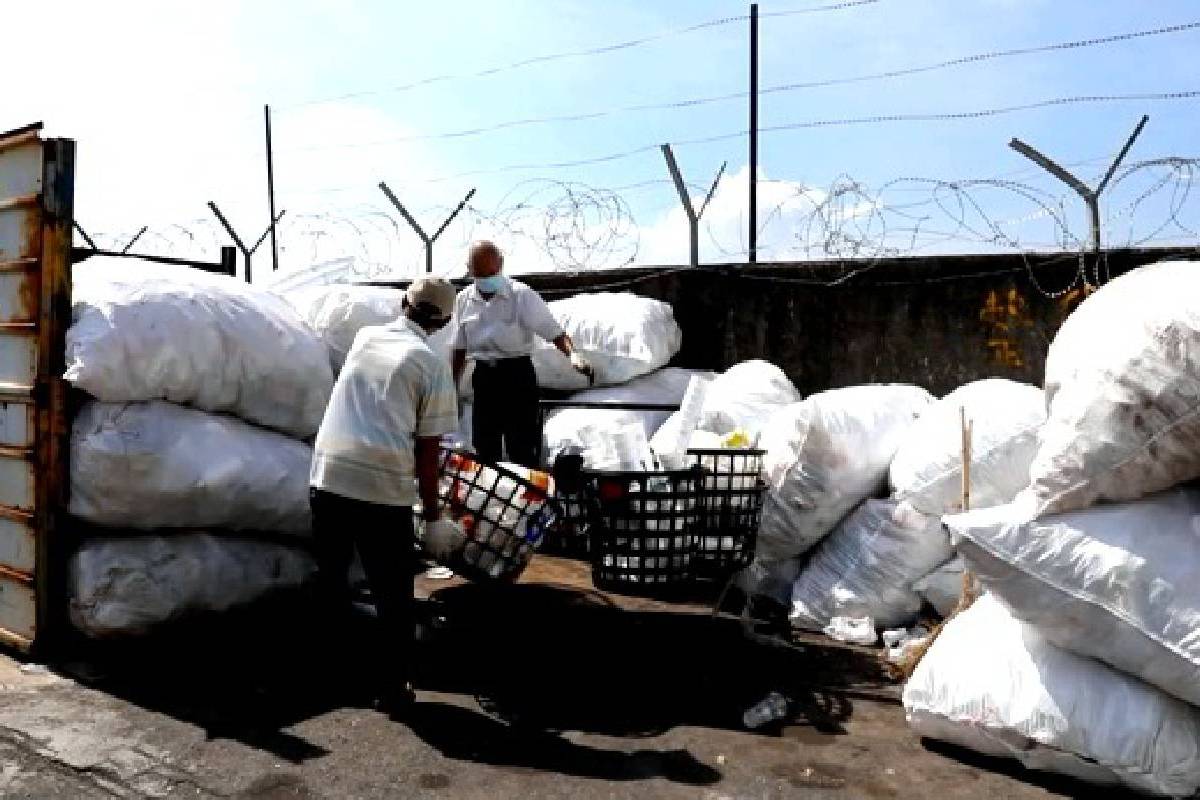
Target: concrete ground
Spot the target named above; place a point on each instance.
(546, 689)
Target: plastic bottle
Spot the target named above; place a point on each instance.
(690, 410)
(771, 708)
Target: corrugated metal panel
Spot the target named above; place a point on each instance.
(18, 611)
(21, 175)
(36, 190)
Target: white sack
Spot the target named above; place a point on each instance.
(998, 687)
(622, 335)
(158, 465)
(441, 342)
(1123, 391)
(129, 585)
(1120, 583)
(826, 455)
(866, 567)
(745, 396)
(1005, 418)
(942, 588)
(339, 311)
(569, 426)
(145, 332)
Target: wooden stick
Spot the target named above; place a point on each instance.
(966, 459)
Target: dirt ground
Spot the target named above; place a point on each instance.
(546, 689)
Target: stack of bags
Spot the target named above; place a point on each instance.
(824, 457)
(189, 461)
(1084, 656)
(840, 551)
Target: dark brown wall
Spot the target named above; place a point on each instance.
(938, 322)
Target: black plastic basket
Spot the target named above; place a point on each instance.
(569, 537)
(503, 515)
(644, 527)
(731, 497)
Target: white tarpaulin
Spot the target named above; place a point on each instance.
(127, 586)
(1005, 418)
(158, 465)
(825, 456)
(146, 332)
(998, 687)
(866, 567)
(1123, 388)
(1118, 582)
(622, 335)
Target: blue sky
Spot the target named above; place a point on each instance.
(165, 101)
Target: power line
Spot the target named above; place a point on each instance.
(582, 53)
(693, 102)
(827, 123)
(878, 119)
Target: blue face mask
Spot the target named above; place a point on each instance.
(491, 284)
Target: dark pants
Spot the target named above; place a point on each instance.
(384, 538)
(505, 411)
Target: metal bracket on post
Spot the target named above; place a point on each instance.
(247, 252)
(685, 199)
(1090, 197)
(133, 241)
(416, 226)
(75, 224)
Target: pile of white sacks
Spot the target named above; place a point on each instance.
(1084, 657)
(628, 339)
(189, 462)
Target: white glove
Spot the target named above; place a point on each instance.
(582, 365)
(443, 538)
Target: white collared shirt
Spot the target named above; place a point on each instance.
(392, 389)
(505, 326)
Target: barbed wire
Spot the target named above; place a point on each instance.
(570, 226)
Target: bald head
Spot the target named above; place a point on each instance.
(484, 260)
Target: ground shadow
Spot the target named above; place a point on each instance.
(520, 664)
(1058, 784)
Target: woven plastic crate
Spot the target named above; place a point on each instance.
(731, 498)
(504, 516)
(644, 529)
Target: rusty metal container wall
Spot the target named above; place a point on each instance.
(36, 190)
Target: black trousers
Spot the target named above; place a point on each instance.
(505, 411)
(384, 538)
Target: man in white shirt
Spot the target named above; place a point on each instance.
(497, 321)
(377, 451)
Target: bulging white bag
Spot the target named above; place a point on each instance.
(622, 335)
(745, 396)
(1118, 582)
(826, 455)
(337, 313)
(145, 332)
(157, 465)
(570, 426)
(942, 588)
(127, 586)
(1005, 418)
(1123, 391)
(866, 567)
(998, 687)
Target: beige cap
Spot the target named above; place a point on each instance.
(436, 292)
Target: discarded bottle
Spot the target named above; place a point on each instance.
(771, 708)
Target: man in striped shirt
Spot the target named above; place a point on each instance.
(376, 453)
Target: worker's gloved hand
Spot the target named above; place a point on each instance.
(583, 366)
(443, 538)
